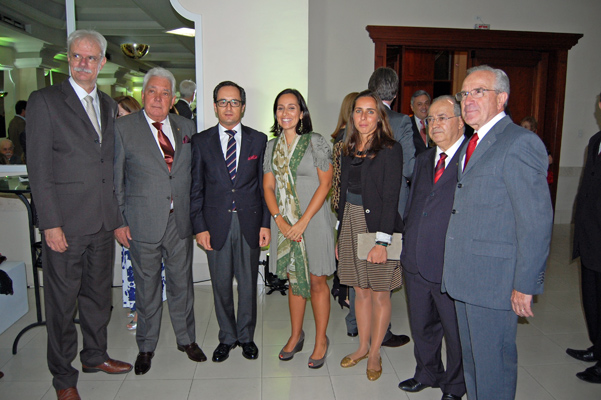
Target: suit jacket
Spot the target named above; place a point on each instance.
(587, 228)
(15, 129)
(380, 186)
(213, 191)
(500, 228)
(403, 133)
(144, 185)
(183, 109)
(420, 146)
(71, 174)
(427, 216)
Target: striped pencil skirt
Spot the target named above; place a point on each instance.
(360, 273)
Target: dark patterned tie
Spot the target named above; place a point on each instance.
(422, 132)
(165, 144)
(439, 167)
(230, 154)
(230, 158)
(471, 146)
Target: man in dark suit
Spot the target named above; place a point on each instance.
(432, 313)
(70, 164)
(17, 126)
(498, 237)
(229, 216)
(420, 102)
(187, 91)
(587, 234)
(152, 183)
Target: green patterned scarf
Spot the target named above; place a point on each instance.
(292, 256)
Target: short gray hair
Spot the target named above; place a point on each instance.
(501, 78)
(4, 139)
(90, 35)
(456, 106)
(385, 83)
(187, 88)
(162, 73)
(420, 93)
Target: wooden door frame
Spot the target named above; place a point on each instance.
(555, 46)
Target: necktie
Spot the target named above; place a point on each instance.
(422, 132)
(439, 167)
(471, 146)
(230, 154)
(165, 144)
(91, 111)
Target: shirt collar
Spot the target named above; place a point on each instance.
(487, 126)
(150, 120)
(237, 128)
(450, 152)
(81, 92)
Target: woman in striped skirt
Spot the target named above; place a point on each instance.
(370, 182)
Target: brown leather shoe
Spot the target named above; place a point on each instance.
(193, 351)
(110, 366)
(68, 394)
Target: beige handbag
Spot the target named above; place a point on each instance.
(366, 241)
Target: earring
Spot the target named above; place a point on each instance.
(278, 128)
(300, 128)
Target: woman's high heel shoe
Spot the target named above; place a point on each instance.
(348, 362)
(288, 355)
(316, 364)
(372, 374)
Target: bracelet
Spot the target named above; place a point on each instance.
(382, 243)
(277, 215)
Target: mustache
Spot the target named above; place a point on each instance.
(86, 70)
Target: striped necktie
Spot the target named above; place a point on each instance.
(230, 154)
(165, 144)
(439, 167)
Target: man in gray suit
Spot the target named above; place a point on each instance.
(152, 183)
(71, 147)
(498, 237)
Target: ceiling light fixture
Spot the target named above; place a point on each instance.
(135, 50)
(183, 32)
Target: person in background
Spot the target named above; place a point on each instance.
(297, 180)
(17, 126)
(187, 91)
(420, 102)
(7, 156)
(531, 124)
(370, 183)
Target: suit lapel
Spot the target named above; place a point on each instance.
(217, 151)
(486, 142)
(453, 164)
(245, 147)
(149, 140)
(177, 138)
(75, 104)
(105, 115)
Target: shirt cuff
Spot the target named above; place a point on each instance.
(383, 237)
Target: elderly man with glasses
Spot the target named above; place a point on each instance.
(498, 237)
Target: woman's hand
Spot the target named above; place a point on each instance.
(296, 231)
(377, 255)
(283, 226)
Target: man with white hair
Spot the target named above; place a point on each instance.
(187, 91)
(70, 135)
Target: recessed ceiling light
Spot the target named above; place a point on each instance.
(183, 32)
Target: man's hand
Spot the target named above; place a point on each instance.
(521, 304)
(204, 239)
(264, 237)
(55, 239)
(123, 236)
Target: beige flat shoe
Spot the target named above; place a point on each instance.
(348, 362)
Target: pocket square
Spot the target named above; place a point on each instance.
(253, 157)
(186, 139)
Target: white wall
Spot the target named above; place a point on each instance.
(341, 58)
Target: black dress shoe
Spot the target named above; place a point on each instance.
(449, 396)
(396, 341)
(412, 386)
(250, 350)
(591, 375)
(193, 351)
(142, 365)
(582, 355)
(222, 352)
(352, 334)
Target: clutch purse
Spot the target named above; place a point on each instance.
(366, 241)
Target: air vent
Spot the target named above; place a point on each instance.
(14, 23)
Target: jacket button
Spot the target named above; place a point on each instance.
(454, 212)
(425, 214)
(233, 190)
(459, 185)
(102, 160)
(367, 211)
(104, 180)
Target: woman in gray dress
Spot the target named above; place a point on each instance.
(298, 177)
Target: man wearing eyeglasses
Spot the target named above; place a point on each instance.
(70, 150)
(229, 216)
(432, 313)
(498, 237)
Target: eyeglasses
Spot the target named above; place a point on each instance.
(476, 93)
(440, 120)
(90, 59)
(223, 103)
